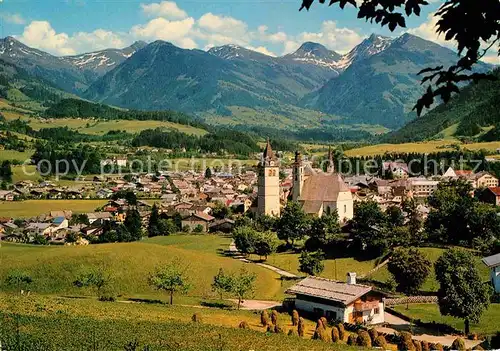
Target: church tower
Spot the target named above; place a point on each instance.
(298, 176)
(268, 201)
(330, 165)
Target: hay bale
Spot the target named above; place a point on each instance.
(351, 340)
(342, 333)
(295, 318)
(335, 334)
(274, 317)
(363, 339)
(458, 344)
(196, 318)
(243, 325)
(301, 328)
(380, 342)
(264, 318)
(373, 333)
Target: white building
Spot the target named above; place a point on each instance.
(321, 192)
(423, 188)
(493, 263)
(268, 201)
(337, 301)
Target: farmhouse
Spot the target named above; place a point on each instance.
(347, 302)
(493, 263)
(198, 219)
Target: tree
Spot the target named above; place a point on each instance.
(127, 195)
(172, 279)
(324, 230)
(222, 283)
(243, 284)
(79, 218)
(265, 243)
(71, 238)
(410, 269)
(244, 239)
(19, 280)
(293, 223)
(208, 173)
(414, 220)
(473, 26)
(311, 262)
(221, 211)
(155, 225)
(6, 171)
(369, 227)
(96, 279)
(395, 216)
(461, 292)
(133, 223)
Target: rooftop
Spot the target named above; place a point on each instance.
(492, 261)
(330, 289)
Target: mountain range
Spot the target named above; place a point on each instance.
(375, 83)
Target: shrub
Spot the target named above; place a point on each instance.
(341, 329)
(425, 346)
(364, 339)
(418, 345)
(274, 317)
(351, 340)
(380, 341)
(295, 318)
(196, 318)
(335, 334)
(458, 344)
(373, 333)
(264, 318)
(243, 325)
(301, 327)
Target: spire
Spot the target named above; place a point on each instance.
(268, 152)
(331, 164)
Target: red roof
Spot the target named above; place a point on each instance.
(463, 172)
(111, 209)
(495, 190)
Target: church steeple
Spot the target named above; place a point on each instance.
(268, 183)
(331, 165)
(268, 156)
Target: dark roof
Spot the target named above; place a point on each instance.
(495, 190)
(330, 290)
(492, 261)
(268, 152)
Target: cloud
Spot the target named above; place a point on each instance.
(12, 18)
(427, 30)
(262, 50)
(165, 9)
(177, 32)
(41, 35)
(338, 39)
(493, 59)
(222, 24)
(97, 40)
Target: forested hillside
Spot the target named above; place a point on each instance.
(476, 107)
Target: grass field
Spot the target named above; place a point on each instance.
(31, 208)
(431, 284)
(69, 324)
(334, 269)
(430, 312)
(14, 155)
(54, 268)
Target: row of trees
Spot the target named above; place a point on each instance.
(462, 294)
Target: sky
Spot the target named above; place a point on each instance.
(273, 27)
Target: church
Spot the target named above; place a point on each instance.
(318, 192)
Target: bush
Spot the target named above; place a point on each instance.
(274, 317)
(341, 329)
(364, 339)
(301, 328)
(335, 334)
(458, 344)
(380, 341)
(373, 333)
(264, 318)
(243, 325)
(295, 318)
(418, 345)
(351, 340)
(196, 318)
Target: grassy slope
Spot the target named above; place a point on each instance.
(31, 208)
(55, 268)
(430, 312)
(78, 324)
(430, 284)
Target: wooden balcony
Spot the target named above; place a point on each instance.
(365, 306)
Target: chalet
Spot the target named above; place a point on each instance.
(493, 263)
(225, 225)
(104, 193)
(6, 195)
(347, 302)
(196, 219)
(398, 169)
(491, 196)
(485, 180)
(102, 216)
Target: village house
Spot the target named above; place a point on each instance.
(485, 180)
(198, 219)
(423, 188)
(6, 195)
(493, 263)
(398, 169)
(347, 302)
(99, 216)
(491, 196)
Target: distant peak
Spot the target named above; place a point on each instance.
(139, 44)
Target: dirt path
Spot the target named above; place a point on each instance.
(237, 255)
(257, 304)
